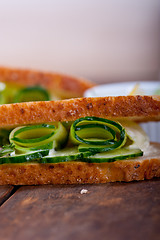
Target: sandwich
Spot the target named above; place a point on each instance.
(19, 85)
(78, 141)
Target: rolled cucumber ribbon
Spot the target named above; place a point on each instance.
(97, 134)
(36, 137)
(35, 93)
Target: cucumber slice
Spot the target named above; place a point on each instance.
(38, 135)
(94, 148)
(4, 137)
(98, 134)
(114, 155)
(32, 94)
(72, 154)
(21, 158)
(2, 98)
(64, 155)
(25, 150)
(8, 92)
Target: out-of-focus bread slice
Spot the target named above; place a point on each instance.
(145, 167)
(137, 108)
(61, 85)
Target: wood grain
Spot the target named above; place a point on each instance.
(5, 192)
(107, 211)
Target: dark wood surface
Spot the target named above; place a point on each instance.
(5, 192)
(108, 211)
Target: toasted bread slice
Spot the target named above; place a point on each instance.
(140, 168)
(60, 85)
(137, 108)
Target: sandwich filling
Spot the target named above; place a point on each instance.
(88, 139)
(10, 93)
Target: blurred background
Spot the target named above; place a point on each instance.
(102, 40)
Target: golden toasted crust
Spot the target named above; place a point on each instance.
(141, 168)
(138, 108)
(61, 85)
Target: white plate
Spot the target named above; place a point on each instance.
(124, 88)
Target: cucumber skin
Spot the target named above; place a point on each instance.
(98, 146)
(57, 159)
(21, 93)
(41, 157)
(60, 159)
(21, 150)
(113, 159)
(91, 158)
(35, 156)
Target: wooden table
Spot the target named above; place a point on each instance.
(107, 211)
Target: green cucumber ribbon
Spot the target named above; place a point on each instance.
(97, 134)
(14, 94)
(29, 94)
(34, 137)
